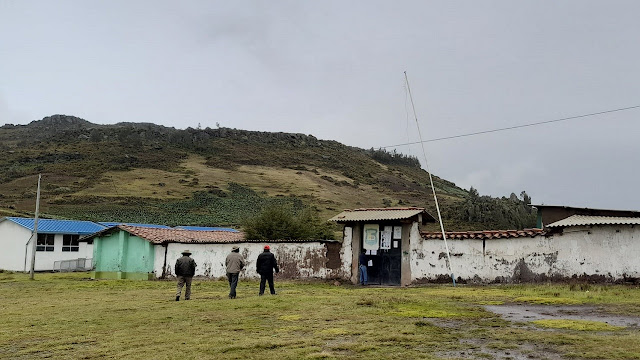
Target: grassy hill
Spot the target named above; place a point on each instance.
(141, 172)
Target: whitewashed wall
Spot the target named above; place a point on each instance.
(346, 254)
(296, 260)
(13, 239)
(609, 251)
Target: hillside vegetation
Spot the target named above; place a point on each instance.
(141, 172)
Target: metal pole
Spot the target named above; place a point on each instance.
(433, 189)
(35, 230)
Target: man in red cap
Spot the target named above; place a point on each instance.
(265, 265)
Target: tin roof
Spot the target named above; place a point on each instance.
(50, 226)
(583, 220)
(485, 234)
(376, 214)
(111, 224)
(204, 228)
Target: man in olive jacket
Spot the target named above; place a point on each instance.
(234, 263)
(265, 265)
(185, 269)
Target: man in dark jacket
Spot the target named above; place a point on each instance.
(265, 265)
(185, 269)
(234, 263)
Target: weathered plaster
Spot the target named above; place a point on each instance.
(609, 252)
(296, 260)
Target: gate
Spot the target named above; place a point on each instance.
(81, 264)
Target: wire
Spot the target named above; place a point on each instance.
(513, 127)
(433, 189)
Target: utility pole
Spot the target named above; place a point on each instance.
(35, 230)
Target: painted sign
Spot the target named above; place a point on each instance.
(370, 237)
(397, 232)
(385, 238)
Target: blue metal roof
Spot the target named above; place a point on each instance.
(49, 226)
(112, 224)
(202, 228)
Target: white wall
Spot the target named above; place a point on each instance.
(612, 251)
(13, 239)
(346, 254)
(296, 260)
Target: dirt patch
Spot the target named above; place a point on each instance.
(527, 313)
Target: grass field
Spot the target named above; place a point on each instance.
(69, 316)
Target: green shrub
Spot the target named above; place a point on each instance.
(283, 223)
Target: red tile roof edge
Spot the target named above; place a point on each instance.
(483, 234)
(386, 209)
(162, 236)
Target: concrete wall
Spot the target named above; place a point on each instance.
(607, 252)
(296, 260)
(122, 256)
(347, 254)
(13, 239)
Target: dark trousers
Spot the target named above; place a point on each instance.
(264, 278)
(184, 280)
(233, 283)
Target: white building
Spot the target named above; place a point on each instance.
(590, 247)
(57, 241)
(133, 252)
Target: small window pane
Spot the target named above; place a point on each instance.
(66, 248)
(39, 248)
(49, 248)
(75, 248)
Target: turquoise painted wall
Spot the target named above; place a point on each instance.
(106, 253)
(120, 252)
(139, 256)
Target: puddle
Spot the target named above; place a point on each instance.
(478, 350)
(526, 313)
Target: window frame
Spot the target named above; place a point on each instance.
(46, 242)
(70, 243)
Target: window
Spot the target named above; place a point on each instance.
(45, 242)
(70, 242)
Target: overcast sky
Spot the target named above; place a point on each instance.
(334, 69)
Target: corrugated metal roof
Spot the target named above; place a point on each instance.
(204, 228)
(376, 214)
(111, 224)
(583, 220)
(485, 234)
(50, 226)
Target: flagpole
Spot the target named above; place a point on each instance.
(35, 231)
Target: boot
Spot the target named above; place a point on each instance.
(177, 298)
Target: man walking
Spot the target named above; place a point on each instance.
(185, 269)
(362, 260)
(265, 265)
(234, 263)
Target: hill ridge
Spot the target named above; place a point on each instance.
(138, 172)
